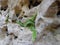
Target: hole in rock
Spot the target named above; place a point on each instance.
(34, 3)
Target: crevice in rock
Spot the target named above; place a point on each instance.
(34, 3)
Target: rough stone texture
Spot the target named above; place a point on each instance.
(24, 35)
(17, 35)
(14, 34)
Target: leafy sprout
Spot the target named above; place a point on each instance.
(30, 23)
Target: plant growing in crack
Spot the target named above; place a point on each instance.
(30, 23)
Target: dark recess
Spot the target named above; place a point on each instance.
(4, 8)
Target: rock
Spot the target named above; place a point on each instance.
(24, 35)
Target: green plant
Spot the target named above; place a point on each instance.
(20, 23)
(30, 23)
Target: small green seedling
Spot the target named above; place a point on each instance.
(30, 23)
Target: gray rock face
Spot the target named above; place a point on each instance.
(13, 34)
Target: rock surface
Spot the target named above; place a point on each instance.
(12, 33)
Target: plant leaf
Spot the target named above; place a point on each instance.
(20, 23)
(34, 33)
